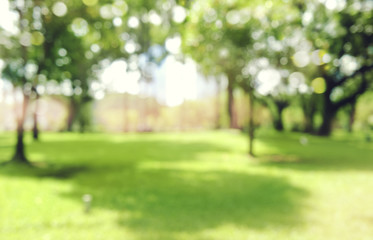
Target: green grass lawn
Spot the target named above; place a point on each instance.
(188, 186)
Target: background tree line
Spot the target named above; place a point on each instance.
(314, 54)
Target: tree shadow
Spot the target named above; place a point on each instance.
(318, 154)
(65, 159)
(41, 170)
(103, 153)
(171, 200)
(151, 200)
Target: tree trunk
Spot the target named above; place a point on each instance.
(308, 120)
(251, 122)
(84, 116)
(71, 115)
(276, 108)
(278, 125)
(35, 128)
(351, 117)
(231, 112)
(278, 122)
(19, 155)
(309, 110)
(308, 124)
(326, 126)
(330, 108)
(329, 112)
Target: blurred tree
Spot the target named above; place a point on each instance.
(276, 105)
(47, 46)
(207, 39)
(219, 37)
(340, 35)
(20, 69)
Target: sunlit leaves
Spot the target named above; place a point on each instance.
(120, 8)
(301, 59)
(37, 38)
(25, 39)
(106, 12)
(80, 27)
(59, 9)
(117, 9)
(319, 85)
(349, 64)
(320, 57)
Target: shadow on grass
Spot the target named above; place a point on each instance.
(318, 154)
(98, 153)
(176, 201)
(168, 200)
(40, 170)
(65, 159)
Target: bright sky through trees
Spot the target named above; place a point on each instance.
(174, 81)
(7, 18)
(179, 80)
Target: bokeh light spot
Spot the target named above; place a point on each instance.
(319, 85)
(59, 9)
(37, 38)
(25, 39)
(178, 14)
(79, 27)
(301, 59)
(133, 22)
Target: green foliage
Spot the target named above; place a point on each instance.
(364, 113)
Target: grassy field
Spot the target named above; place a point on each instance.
(188, 186)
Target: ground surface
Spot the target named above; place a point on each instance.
(188, 186)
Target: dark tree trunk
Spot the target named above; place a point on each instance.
(309, 110)
(276, 107)
(326, 126)
(331, 108)
(82, 118)
(19, 155)
(82, 126)
(83, 112)
(351, 117)
(251, 122)
(328, 113)
(71, 115)
(231, 112)
(277, 122)
(35, 128)
(308, 124)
